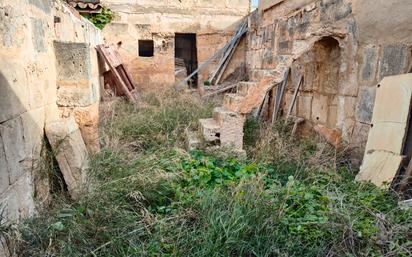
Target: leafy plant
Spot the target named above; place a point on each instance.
(100, 20)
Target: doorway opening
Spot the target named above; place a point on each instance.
(185, 57)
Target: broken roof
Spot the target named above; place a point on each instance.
(86, 6)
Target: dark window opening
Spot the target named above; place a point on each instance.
(146, 48)
(186, 55)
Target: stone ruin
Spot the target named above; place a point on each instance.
(51, 80)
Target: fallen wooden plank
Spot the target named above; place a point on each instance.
(222, 90)
(181, 84)
(113, 69)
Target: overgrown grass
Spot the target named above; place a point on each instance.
(149, 197)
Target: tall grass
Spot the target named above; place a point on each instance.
(149, 197)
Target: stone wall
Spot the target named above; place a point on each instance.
(213, 22)
(341, 59)
(48, 69)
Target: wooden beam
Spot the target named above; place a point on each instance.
(295, 95)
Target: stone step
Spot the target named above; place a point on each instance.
(258, 74)
(223, 116)
(231, 127)
(209, 129)
(244, 87)
(193, 140)
(233, 102)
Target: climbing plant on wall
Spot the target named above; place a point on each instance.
(101, 19)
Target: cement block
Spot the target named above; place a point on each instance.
(393, 60)
(71, 153)
(366, 102)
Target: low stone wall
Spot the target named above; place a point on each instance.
(341, 66)
(48, 70)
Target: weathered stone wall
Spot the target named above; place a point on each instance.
(341, 59)
(211, 20)
(38, 84)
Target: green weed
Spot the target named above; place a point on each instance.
(149, 197)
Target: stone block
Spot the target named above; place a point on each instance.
(38, 35)
(393, 60)
(88, 120)
(320, 108)
(72, 61)
(76, 82)
(12, 133)
(304, 105)
(210, 130)
(193, 141)
(243, 87)
(346, 114)
(233, 102)
(14, 93)
(19, 199)
(33, 132)
(333, 136)
(365, 105)
(333, 111)
(369, 63)
(71, 153)
(4, 171)
(12, 26)
(44, 5)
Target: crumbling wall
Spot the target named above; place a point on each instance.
(35, 38)
(211, 21)
(341, 61)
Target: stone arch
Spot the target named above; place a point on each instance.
(327, 57)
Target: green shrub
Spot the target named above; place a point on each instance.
(100, 20)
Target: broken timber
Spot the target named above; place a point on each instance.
(226, 52)
(279, 96)
(118, 78)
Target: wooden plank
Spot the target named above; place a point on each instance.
(279, 95)
(179, 85)
(228, 53)
(223, 69)
(295, 95)
(111, 55)
(222, 90)
(116, 74)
